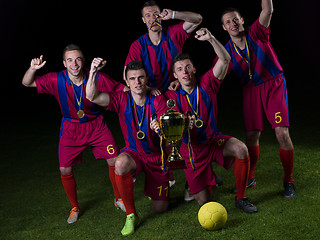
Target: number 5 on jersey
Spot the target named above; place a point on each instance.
(278, 118)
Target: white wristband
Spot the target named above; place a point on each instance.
(173, 13)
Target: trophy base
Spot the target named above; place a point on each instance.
(175, 165)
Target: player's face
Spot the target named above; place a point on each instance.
(137, 81)
(185, 72)
(149, 15)
(233, 23)
(74, 61)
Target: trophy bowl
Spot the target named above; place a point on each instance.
(172, 125)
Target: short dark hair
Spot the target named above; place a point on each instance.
(181, 57)
(229, 10)
(71, 47)
(134, 65)
(150, 3)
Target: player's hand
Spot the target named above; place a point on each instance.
(174, 85)
(166, 14)
(37, 63)
(191, 121)
(203, 34)
(97, 64)
(154, 125)
(155, 91)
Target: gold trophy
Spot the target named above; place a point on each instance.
(172, 126)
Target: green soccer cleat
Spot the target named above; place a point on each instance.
(132, 221)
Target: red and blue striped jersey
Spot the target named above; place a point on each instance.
(264, 63)
(208, 86)
(67, 94)
(158, 58)
(123, 104)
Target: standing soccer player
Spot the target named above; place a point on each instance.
(157, 48)
(207, 144)
(159, 45)
(82, 124)
(264, 87)
(142, 152)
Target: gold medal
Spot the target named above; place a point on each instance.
(141, 135)
(80, 113)
(198, 123)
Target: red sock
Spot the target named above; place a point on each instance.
(241, 173)
(70, 188)
(287, 159)
(254, 155)
(113, 182)
(125, 187)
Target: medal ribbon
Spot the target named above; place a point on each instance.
(156, 22)
(162, 154)
(248, 56)
(194, 111)
(135, 110)
(190, 150)
(78, 101)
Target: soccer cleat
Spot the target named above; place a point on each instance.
(250, 184)
(187, 196)
(245, 205)
(74, 215)
(132, 222)
(289, 190)
(172, 183)
(119, 204)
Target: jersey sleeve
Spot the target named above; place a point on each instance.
(115, 101)
(257, 31)
(209, 82)
(135, 52)
(178, 34)
(161, 106)
(46, 83)
(107, 84)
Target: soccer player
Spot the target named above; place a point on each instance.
(207, 144)
(159, 45)
(142, 151)
(82, 124)
(254, 60)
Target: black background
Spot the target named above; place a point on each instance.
(107, 28)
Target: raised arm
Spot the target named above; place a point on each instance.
(29, 76)
(266, 13)
(92, 92)
(221, 67)
(191, 20)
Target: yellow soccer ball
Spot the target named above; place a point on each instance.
(212, 216)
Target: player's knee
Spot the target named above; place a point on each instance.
(65, 170)
(122, 164)
(282, 135)
(160, 206)
(241, 150)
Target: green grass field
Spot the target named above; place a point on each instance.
(33, 204)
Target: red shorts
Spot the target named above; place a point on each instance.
(75, 137)
(203, 155)
(268, 99)
(156, 181)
